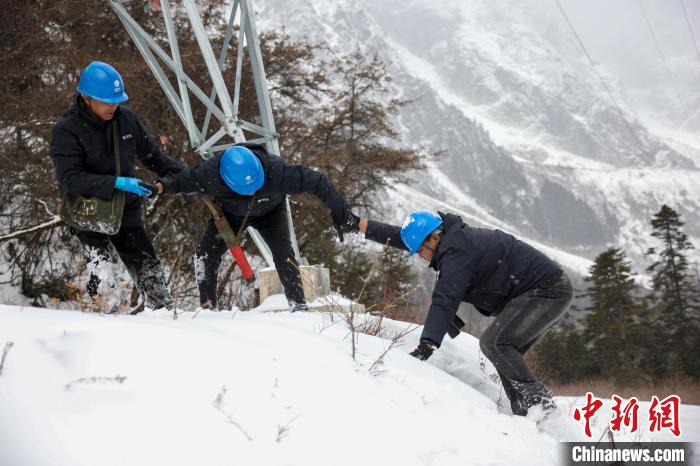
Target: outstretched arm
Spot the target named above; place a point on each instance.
(189, 180)
(384, 233)
(295, 179)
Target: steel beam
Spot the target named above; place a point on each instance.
(226, 112)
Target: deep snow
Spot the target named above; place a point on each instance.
(289, 394)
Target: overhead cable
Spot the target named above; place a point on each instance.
(600, 77)
(690, 29)
(684, 107)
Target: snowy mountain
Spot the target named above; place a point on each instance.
(534, 144)
(260, 388)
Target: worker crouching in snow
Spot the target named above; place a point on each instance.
(501, 276)
(93, 148)
(250, 187)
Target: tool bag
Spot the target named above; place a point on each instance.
(92, 213)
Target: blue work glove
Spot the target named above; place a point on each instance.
(133, 185)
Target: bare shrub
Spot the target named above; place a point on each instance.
(5, 350)
(97, 379)
(218, 404)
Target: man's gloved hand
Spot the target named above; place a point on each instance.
(424, 351)
(133, 185)
(347, 225)
(152, 188)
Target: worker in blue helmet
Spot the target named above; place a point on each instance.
(499, 275)
(242, 171)
(83, 151)
(251, 186)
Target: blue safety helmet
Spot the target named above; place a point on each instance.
(417, 227)
(102, 82)
(241, 170)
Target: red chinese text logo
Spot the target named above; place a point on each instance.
(627, 416)
(663, 414)
(592, 405)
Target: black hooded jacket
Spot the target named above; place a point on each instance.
(83, 154)
(280, 179)
(486, 268)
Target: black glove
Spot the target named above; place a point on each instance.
(454, 329)
(349, 224)
(152, 188)
(424, 351)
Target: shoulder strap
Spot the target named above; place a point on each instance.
(115, 140)
(247, 213)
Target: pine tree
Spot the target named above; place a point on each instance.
(609, 327)
(563, 356)
(674, 292)
(351, 138)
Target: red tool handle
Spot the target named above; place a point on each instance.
(239, 257)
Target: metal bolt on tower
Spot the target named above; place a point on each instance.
(218, 103)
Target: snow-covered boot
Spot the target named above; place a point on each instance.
(208, 306)
(531, 394)
(151, 283)
(512, 396)
(296, 307)
(154, 301)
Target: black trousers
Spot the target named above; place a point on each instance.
(274, 228)
(137, 254)
(521, 324)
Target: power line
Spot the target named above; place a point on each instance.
(690, 29)
(668, 70)
(600, 77)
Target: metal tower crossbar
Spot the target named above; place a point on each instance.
(218, 103)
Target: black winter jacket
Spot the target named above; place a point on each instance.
(486, 268)
(83, 153)
(280, 179)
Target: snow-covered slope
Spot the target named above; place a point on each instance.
(531, 137)
(255, 388)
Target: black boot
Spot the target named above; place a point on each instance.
(531, 394)
(513, 397)
(159, 301)
(298, 307)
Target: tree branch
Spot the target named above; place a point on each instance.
(53, 223)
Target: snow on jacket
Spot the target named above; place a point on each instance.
(486, 268)
(83, 154)
(280, 179)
